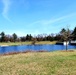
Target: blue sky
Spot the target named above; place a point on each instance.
(36, 16)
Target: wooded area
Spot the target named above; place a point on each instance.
(63, 35)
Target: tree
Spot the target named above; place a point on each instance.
(34, 41)
(65, 33)
(29, 37)
(6, 38)
(14, 37)
(23, 39)
(74, 33)
(2, 36)
(40, 37)
(11, 39)
(58, 37)
(62, 32)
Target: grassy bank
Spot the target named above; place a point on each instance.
(46, 63)
(27, 43)
(46, 42)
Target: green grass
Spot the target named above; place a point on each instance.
(14, 43)
(27, 42)
(45, 63)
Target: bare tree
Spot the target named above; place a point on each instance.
(66, 33)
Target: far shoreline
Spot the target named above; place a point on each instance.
(3, 44)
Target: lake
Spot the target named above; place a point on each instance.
(22, 48)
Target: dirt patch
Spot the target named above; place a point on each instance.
(27, 51)
(67, 50)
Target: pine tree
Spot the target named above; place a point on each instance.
(74, 34)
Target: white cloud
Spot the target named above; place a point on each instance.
(34, 23)
(51, 21)
(44, 25)
(60, 18)
(7, 4)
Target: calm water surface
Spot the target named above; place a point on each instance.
(34, 47)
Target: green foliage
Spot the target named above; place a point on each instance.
(2, 36)
(28, 37)
(63, 31)
(74, 33)
(14, 37)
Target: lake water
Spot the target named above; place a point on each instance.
(21, 48)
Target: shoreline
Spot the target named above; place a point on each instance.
(32, 51)
(26, 43)
(4, 45)
(27, 51)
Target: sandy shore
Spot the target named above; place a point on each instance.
(4, 45)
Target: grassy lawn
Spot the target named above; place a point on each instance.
(27, 42)
(45, 63)
(46, 42)
(15, 43)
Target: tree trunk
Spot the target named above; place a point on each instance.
(66, 46)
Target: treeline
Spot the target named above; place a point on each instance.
(28, 37)
(64, 33)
